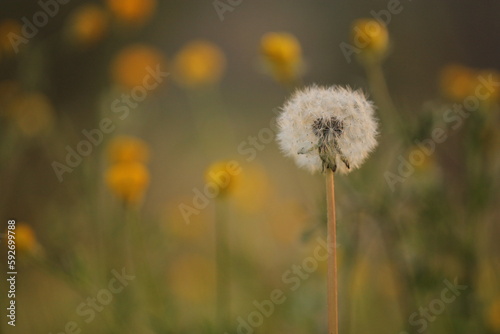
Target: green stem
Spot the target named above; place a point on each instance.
(222, 266)
(390, 117)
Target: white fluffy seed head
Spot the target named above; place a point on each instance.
(327, 127)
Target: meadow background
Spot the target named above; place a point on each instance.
(407, 230)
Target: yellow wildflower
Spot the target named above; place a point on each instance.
(33, 114)
(128, 149)
(88, 24)
(371, 38)
(199, 63)
(134, 12)
(457, 82)
(25, 238)
(493, 315)
(283, 55)
(10, 27)
(128, 181)
(130, 66)
(253, 189)
(222, 175)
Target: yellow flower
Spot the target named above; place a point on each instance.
(128, 149)
(134, 12)
(223, 175)
(371, 38)
(421, 158)
(283, 55)
(25, 238)
(493, 315)
(253, 190)
(33, 114)
(8, 27)
(488, 75)
(199, 63)
(88, 24)
(128, 181)
(457, 82)
(130, 66)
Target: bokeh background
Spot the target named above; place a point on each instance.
(121, 206)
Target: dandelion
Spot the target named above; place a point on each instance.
(199, 63)
(8, 31)
(457, 82)
(371, 38)
(253, 189)
(329, 130)
(128, 181)
(33, 114)
(223, 176)
(130, 66)
(493, 315)
(25, 238)
(125, 149)
(134, 12)
(88, 24)
(282, 54)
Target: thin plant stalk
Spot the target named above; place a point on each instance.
(222, 266)
(389, 113)
(332, 277)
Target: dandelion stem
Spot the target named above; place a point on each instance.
(332, 278)
(222, 266)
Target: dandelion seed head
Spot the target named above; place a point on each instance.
(322, 127)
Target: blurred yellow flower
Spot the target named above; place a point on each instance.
(199, 63)
(421, 158)
(135, 12)
(88, 24)
(9, 27)
(128, 149)
(457, 82)
(25, 238)
(371, 38)
(282, 54)
(33, 114)
(253, 190)
(493, 315)
(128, 181)
(192, 278)
(223, 175)
(130, 67)
(488, 75)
